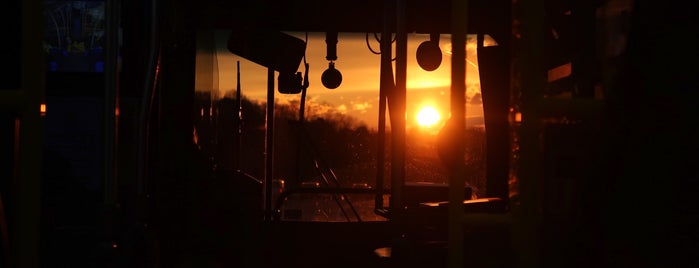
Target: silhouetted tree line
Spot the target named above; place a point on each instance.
(305, 148)
(334, 140)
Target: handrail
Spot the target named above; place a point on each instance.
(152, 76)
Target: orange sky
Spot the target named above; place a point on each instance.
(358, 94)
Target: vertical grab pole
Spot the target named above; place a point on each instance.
(527, 232)
(111, 101)
(459, 29)
(239, 132)
(396, 104)
(269, 147)
(386, 84)
(28, 140)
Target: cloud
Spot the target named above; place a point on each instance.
(342, 109)
(361, 107)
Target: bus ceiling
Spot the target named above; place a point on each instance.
(423, 16)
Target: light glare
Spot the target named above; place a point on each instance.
(428, 116)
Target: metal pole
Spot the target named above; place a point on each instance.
(459, 30)
(386, 85)
(240, 119)
(146, 106)
(110, 100)
(302, 108)
(269, 147)
(28, 141)
(396, 104)
(526, 233)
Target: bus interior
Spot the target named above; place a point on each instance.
(210, 133)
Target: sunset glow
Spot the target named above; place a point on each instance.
(358, 95)
(427, 117)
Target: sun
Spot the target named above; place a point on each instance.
(427, 117)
